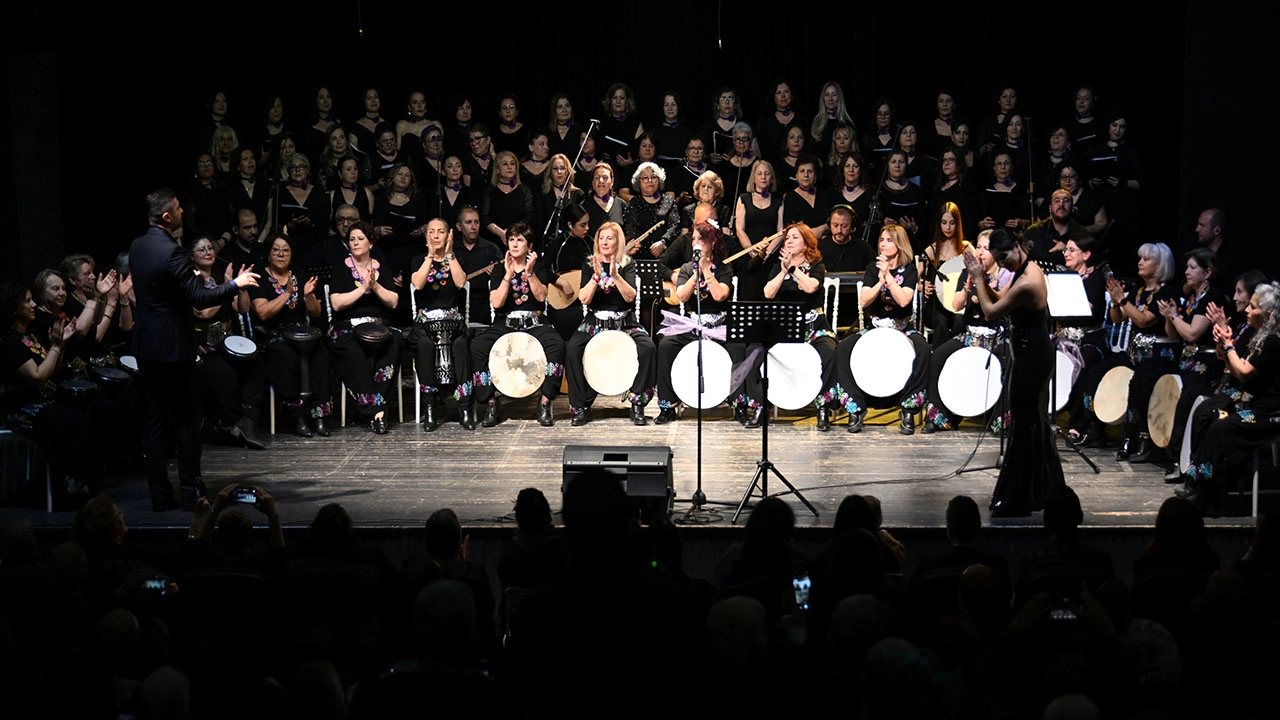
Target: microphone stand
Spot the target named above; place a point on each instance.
(875, 215)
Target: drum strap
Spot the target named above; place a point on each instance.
(674, 324)
(1072, 351)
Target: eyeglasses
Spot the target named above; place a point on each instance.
(742, 139)
(297, 167)
(727, 98)
(507, 107)
(204, 163)
(475, 140)
(1065, 176)
(346, 220)
(434, 138)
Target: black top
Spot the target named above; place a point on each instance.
(1143, 300)
(1001, 206)
(569, 144)
(480, 176)
(772, 135)
(241, 200)
(567, 253)
(439, 293)
(1095, 290)
(519, 296)
(641, 214)
(1264, 384)
(471, 260)
(304, 238)
(797, 209)
(921, 169)
(1084, 136)
(680, 180)
(852, 256)
(516, 141)
(736, 180)
(15, 350)
(617, 137)
(505, 209)
(967, 196)
(599, 216)
(790, 290)
(207, 209)
(723, 274)
(399, 246)
(546, 207)
(293, 313)
(885, 306)
(342, 279)
(448, 211)
(606, 296)
(759, 223)
(1043, 235)
(670, 143)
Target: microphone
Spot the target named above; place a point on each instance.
(697, 254)
(595, 121)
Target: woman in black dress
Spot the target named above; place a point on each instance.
(757, 215)
(223, 148)
(336, 149)
(351, 192)
(853, 189)
(1014, 144)
(831, 111)
(359, 294)
(246, 192)
(902, 201)
(365, 128)
(565, 135)
(603, 206)
(620, 128)
(454, 194)
(1224, 436)
(316, 135)
(384, 156)
(609, 287)
(718, 132)
(806, 202)
(428, 167)
(774, 125)
(556, 192)
(517, 295)
(268, 136)
(1086, 208)
(888, 296)
(681, 179)
(477, 165)
(991, 131)
(534, 168)
(948, 242)
(1031, 466)
(961, 135)
(303, 208)
(281, 302)
(567, 251)
(792, 149)
(882, 138)
(735, 170)
(844, 141)
(512, 134)
(920, 167)
(671, 136)
(646, 152)
(1083, 128)
(506, 200)
(399, 218)
(648, 207)
(937, 135)
(410, 127)
(438, 302)
(207, 203)
(954, 185)
(1048, 165)
(1005, 202)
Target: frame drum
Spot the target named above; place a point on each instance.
(1111, 401)
(717, 369)
(1063, 370)
(1163, 407)
(518, 365)
(1184, 456)
(129, 363)
(954, 270)
(961, 383)
(610, 362)
(796, 370)
(881, 362)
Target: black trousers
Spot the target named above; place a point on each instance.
(171, 412)
(367, 381)
(423, 344)
(581, 394)
(912, 397)
(280, 367)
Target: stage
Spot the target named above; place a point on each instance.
(397, 480)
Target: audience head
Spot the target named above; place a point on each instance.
(1062, 511)
(444, 535)
(963, 520)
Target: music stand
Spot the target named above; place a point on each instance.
(766, 323)
(1067, 299)
(649, 287)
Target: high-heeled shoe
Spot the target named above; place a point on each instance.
(1143, 453)
(300, 427)
(322, 428)
(429, 423)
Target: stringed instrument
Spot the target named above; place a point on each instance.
(669, 286)
(559, 298)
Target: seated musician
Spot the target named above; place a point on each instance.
(438, 303)
(1082, 338)
(517, 296)
(282, 302)
(609, 287)
(888, 294)
(360, 295)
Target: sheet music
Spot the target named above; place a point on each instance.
(1066, 295)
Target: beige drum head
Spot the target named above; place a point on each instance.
(1162, 408)
(881, 362)
(1111, 401)
(610, 362)
(795, 375)
(1184, 456)
(238, 346)
(954, 270)
(517, 364)
(129, 363)
(716, 371)
(1062, 381)
(970, 382)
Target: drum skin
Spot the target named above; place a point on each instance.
(971, 381)
(1111, 401)
(717, 370)
(517, 364)
(881, 362)
(610, 362)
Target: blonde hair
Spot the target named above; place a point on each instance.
(619, 249)
(901, 239)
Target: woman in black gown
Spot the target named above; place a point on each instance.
(1031, 465)
(757, 215)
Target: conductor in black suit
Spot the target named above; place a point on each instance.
(167, 289)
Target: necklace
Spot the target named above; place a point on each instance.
(291, 283)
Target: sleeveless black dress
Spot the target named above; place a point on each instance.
(1031, 464)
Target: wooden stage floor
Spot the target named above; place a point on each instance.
(397, 480)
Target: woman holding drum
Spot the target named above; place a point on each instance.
(1142, 337)
(1031, 467)
(711, 279)
(795, 274)
(439, 334)
(283, 309)
(608, 291)
(943, 255)
(1224, 435)
(362, 300)
(964, 393)
(877, 376)
(1186, 321)
(517, 295)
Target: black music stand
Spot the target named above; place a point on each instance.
(649, 288)
(1066, 298)
(766, 323)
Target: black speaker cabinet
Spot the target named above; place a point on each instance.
(645, 473)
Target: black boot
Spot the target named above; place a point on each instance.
(1094, 436)
(322, 429)
(637, 415)
(582, 418)
(667, 415)
(467, 417)
(824, 418)
(928, 428)
(544, 414)
(245, 430)
(756, 419)
(1188, 488)
(740, 413)
(300, 426)
(491, 416)
(908, 421)
(1126, 448)
(1145, 448)
(855, 421)
(429, 423)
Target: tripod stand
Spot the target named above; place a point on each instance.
(766, 323)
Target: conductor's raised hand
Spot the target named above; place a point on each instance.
(246, 278)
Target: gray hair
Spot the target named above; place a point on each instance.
(1163, 257)
(1268, 295)
(657, 170)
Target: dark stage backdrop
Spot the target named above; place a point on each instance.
(97, 120)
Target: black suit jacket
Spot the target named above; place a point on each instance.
(167, 289)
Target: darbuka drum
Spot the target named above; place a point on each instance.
(881, 362)
(372, 336)
(970, 381)
(795, 375)
(303, 339)
(440, 332)
(1184, 456)
(77, 392)
(947, 289)
(1162, 408)
(716, 371)
(611, 362)
(1111, 400)
(518, 365)
(239, 349)
(110, 379)
(1064, 370)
